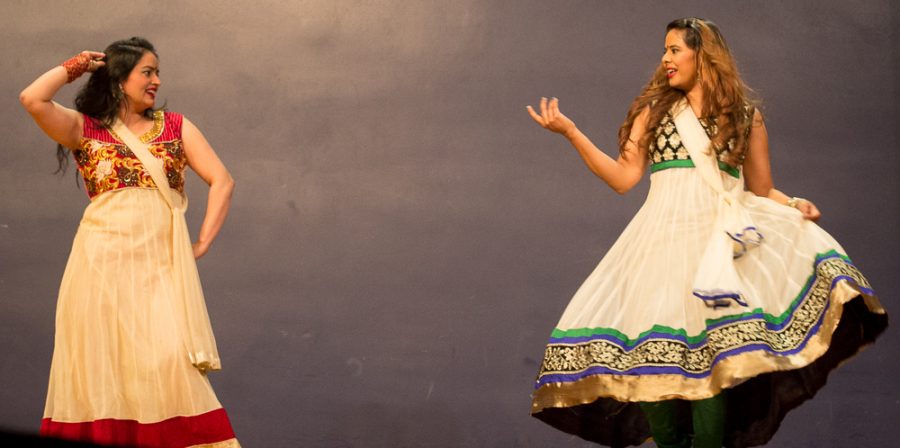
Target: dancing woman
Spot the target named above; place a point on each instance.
(133, 341)
(722, 305)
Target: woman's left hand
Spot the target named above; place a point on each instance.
(808, 209)
(200, 249)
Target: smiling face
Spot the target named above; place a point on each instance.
(142, 84)
(680, 61)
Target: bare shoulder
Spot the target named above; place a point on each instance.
(186, 123)
(642, 121)
(757, 117)
(190, 131)
(644, 115)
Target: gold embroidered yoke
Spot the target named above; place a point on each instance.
(106, 164)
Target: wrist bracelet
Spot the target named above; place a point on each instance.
(794, 201)
(76, 66)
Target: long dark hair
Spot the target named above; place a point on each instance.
(102, 96)
(725, 96)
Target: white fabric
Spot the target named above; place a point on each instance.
(717, 281)
(647, 278)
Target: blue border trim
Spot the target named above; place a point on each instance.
(719, 300)
(662, 370)
(744, 241)
(657, 370)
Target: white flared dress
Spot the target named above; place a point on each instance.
(641, 328)
(121, 374)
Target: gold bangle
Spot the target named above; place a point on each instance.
(794, 201)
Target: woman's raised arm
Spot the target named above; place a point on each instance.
(60, 123)
(620, 174)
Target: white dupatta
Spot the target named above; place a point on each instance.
(190, 312)
(717, 282)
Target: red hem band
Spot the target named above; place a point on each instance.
(211, 427)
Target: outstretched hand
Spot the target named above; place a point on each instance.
(551, 118)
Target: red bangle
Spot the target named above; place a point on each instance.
(76, 66)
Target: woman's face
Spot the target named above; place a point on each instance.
(679, 61)
(142, 83)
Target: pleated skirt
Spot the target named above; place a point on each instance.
(120, 373)
(635, 332)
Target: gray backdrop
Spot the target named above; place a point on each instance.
(403, 238)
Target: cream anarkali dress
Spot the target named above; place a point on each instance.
(708, 288)
(121, 373)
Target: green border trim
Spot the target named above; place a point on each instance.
(671, 164)
(732, 171)
(769, 318)
(688, 163)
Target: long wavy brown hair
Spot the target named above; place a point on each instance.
(726, 98)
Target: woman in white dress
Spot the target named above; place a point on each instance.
(722, 305)
(133, 340)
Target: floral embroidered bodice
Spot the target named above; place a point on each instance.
(106, 164)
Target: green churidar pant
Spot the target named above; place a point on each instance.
(708, 417)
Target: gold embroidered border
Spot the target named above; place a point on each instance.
(728, 372)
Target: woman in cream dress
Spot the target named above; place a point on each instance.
(133, 341)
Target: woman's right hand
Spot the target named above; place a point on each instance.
(96, 60)
(551, 118)
(85, 62)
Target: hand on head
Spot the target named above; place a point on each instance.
(95, 60)
(86, 61)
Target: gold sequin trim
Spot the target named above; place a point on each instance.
(159, 120)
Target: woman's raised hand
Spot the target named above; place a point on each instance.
(551, 118)
(95, 59)
(81, 63)
(86, 61)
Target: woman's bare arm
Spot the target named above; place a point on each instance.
(758, 171)
(621, 174)
(60, 123)
(204, 161)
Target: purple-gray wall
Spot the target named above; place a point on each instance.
(403, 237)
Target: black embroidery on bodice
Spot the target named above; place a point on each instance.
(666, 146)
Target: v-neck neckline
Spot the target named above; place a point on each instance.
(153, 133)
